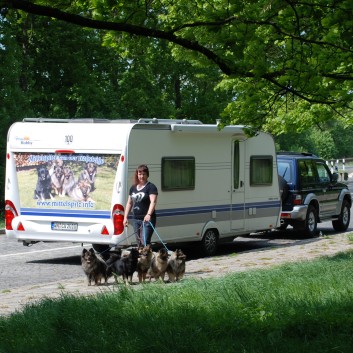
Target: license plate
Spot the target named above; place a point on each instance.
(65, 226)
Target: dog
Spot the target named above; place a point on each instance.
(58, 162)
(176, 266)
(89, 174)
(144, 262)
(57, 179)
(124, 266)
(68, 181)
(158, 265)
(94, 268)
(81, 191)
(43, 187)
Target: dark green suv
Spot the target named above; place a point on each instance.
(311, 193)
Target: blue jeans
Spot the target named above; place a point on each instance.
(143, 231)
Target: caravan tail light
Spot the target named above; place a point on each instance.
(10, 214)
(118, 218)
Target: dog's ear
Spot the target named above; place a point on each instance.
(84, 251)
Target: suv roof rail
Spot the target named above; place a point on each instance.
(296, 154)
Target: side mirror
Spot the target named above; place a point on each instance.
(334, 177)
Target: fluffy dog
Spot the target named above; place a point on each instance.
(144, 262)
(89, 174)
(68, 181)
(176, 266)
(43, 187)
(93, 267)
(57, 179)
(124, 266)
(158, 265)
(81, 191)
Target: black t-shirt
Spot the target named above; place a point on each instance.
(141, 200)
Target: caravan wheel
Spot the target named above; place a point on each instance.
(209, 242)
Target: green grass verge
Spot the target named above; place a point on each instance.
(305, 307)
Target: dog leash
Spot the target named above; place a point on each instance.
(144, 240)
(108, 249)
(154, 229)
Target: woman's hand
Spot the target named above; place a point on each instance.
(147, 218)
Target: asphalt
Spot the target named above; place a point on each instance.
(15, 300)
(276, 252)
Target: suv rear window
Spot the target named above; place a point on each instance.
(285, 170)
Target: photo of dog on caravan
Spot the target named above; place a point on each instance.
(89, 174)
(43, 187)
(68, 181)
(81, 191)
(57, 179)
(71, 177)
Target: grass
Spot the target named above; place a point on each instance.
(305, 307)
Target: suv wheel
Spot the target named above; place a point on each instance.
(341, 224)
(311, 221)
(309, 226)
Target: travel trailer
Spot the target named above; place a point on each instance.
(68, 181)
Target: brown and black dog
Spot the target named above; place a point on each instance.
(81, 191)
(124, 265)
(93, 267)
(158, 265)
(89, 174)
(144, 262)
(176, 266)
(57, 179)
(68, 181)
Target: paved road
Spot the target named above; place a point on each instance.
(55, 262)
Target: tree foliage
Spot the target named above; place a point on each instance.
(288, 63)
(54, 69)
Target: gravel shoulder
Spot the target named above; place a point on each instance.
(274, 253)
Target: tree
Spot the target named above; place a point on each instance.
(278, 57)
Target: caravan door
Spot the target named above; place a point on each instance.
(237, 202)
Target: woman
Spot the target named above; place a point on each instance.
(142, 202)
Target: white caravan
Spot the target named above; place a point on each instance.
(214, 184)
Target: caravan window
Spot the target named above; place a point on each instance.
(261, 168)
(178, 173)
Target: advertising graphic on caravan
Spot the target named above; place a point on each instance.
(68, 181)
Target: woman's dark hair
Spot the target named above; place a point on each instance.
(141, 168)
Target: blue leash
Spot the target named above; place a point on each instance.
(154, 229)
(144, 239)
